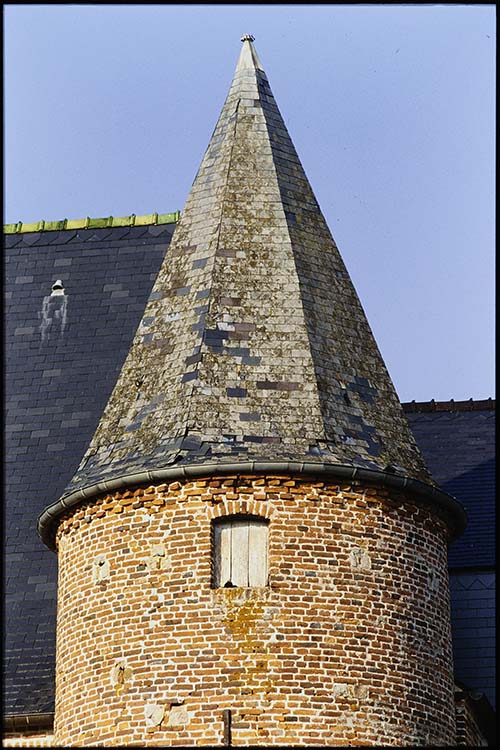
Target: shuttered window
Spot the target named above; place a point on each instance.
(240, 551)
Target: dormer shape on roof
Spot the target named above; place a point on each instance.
(253, 346)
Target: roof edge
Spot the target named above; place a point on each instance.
(23, 722)
(413, 407)
(88, 223)
(455, 513)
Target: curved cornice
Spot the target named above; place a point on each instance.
(422, 492)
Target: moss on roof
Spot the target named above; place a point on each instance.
(88, 223)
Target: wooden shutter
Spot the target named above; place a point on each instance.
(222, 553)
(257, 559)
(240, 552)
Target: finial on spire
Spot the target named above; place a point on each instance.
(248, 55)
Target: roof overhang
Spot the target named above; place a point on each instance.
(421, 492)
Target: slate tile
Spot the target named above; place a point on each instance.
(31, 238)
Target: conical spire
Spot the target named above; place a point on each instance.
(253, 345)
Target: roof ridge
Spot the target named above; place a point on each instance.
(90, 223)
(451, 405)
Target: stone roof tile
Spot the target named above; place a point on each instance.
(252, 230)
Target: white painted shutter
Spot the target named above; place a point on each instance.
(222, 553)
(257, 557)
(239, 552)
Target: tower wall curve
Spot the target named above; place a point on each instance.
(348, 643)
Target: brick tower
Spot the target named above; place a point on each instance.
(252, 550)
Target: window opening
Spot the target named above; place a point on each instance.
(239, 552)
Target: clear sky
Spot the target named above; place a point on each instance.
(109, 109)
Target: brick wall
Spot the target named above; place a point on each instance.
(468, 731)
(348, 644)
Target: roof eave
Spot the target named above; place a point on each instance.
(433, 496)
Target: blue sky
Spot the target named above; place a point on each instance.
(109, 109)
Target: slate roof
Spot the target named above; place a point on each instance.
(57, 384)
(457, 440)
(473, 625)
(254, 345)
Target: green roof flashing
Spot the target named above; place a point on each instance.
(88, 223)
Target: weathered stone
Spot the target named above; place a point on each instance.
(153, 714)
(100, 568)
(340, 690)
(177, 716)
(359, 558)
(120, 674)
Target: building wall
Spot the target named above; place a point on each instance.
(349, 642)
(43, 739)
(468, 729)
(457, 439)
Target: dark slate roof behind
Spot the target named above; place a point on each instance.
(457, 440)
(473, 625)
(55, 392)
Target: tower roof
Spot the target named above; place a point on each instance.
(253, 346)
